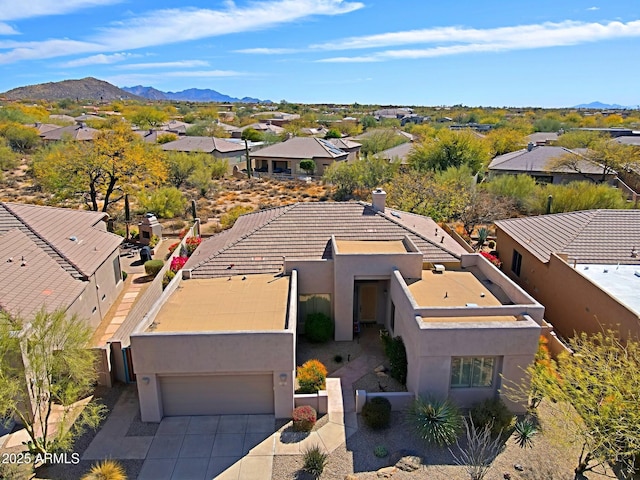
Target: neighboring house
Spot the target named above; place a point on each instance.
(582, 266)
(175, 126)
(258, 127)
(285, 157)
(630, 140)
(57, 258)
(222, 341)
(399, 153)
(314, 131)
(78, 132)
(218, 147)
(43, 128)
(349, 146)
(538, 162)
(150, 136)
(542, 138)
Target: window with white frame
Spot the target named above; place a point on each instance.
(472, 372)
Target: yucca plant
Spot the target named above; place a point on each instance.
(438, 422)
(525, 430)
(106, 470)
(314, 461)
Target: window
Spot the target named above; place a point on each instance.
(516, 262)
(116, 270)
(470, 372)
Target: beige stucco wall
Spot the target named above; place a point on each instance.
(156, 354)
(101, 284)
(572, 302)
(430, 346)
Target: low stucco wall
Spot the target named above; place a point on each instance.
(400, 401)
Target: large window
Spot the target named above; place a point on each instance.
(516, 262)
(472, 372)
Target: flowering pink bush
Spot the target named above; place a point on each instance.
(177, 263)
(304, 418)
(492, 258)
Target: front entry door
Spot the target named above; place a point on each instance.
(368, 300)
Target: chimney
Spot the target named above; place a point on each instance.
(379, 198)
(530, 146)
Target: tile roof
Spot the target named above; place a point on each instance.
(301, 147)
(259, 242)
(590, 236)
(52, 229)
(542, 137)
(203, 144)
(538, 160)
(400, 152)
(75, 132)
(41, 281)
(344, 143)
(629, 140)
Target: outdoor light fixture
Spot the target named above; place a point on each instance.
(283, 379)
(146, 380)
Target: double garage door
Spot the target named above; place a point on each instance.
(217, 394)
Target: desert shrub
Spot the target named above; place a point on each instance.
(168, 276)
(152, 267)
(525, 430)
(165, 202)
(153, 241)
(308, 165)
(397, 355)
(491, 411)
(377, 413)
(14, 471)
(478, 451)
(438, 422)
(318, 328)
(124, 275)
(106, 470)
(311, 376)
(380, 451)
(304, 418)
(314, 461)
(228, 219)
(166, 138)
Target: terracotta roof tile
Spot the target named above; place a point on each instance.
(590, 236)
(259, 242)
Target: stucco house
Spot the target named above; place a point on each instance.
(56, 258)
(582, 266)
(79, 132)
(285, 157)
(222, 339)
(539, 163)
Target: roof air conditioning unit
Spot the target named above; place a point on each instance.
(438, 268)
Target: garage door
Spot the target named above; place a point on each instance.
(217, 394)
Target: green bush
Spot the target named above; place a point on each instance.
(376, 413)
(165, 202)
(304, 418)
(314, 461)
(397, 355)
(168, 276)
(228, 219)
(438, 422)
(494, 412)
(380, 451)
(318, 328)
(152, 267)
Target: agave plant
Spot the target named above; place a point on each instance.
(314, 461)
(438, 422)
(106, 470)
(524, 433)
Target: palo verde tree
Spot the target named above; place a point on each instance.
(594, 397)
(116, 162)
(45, 362)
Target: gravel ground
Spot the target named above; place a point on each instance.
(547, 460)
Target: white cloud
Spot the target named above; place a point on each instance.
(6, 29)
(466, 40)
(169, 26)
(100, 59)
(15, 10)
(593, 9)
(178, 64)
(268, 51)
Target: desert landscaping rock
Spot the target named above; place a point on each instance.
(409, 463)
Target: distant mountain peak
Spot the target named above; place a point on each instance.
(190, 95)
(88, 88)
(601, 106)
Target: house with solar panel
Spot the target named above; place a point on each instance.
(222, 338)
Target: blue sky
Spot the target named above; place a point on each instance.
(546, 53)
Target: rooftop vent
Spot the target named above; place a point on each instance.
(438, 268)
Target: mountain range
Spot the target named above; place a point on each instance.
(603, 106)
(83, 89)
(190, 95)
